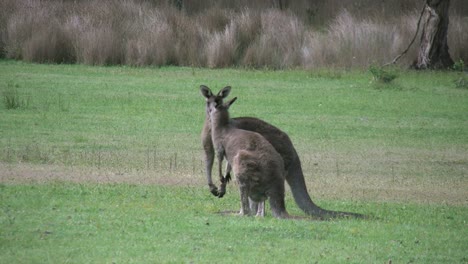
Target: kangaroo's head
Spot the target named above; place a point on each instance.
(215, 102)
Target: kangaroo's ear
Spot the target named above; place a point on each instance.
(205, 91)
(230, 102)
(224, 92)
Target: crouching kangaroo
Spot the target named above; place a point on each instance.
(259, 169)
(280, 141)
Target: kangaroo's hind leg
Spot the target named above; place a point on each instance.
(244, 195)
(257, 207)
(277, 204)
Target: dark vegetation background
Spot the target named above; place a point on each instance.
(219, 33)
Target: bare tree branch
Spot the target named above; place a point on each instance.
(412, 41)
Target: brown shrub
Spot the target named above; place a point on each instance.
(98, 31)
(350, 42)
(221, 48)
(279, 44)
(49, 44)
(214, 19)
(152, 40)
(227, 48)
(7, 8)
(34, 33)
(458, 38)
(248, 25)
(189, 44)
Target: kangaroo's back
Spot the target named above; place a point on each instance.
(279, 139)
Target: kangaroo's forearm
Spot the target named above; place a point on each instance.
(209, 160)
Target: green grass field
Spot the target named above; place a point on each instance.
(96, 223)
(104, 164)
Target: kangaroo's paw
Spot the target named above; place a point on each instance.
(227, 178)
(214, 189)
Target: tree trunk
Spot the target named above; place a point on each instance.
(433, 50)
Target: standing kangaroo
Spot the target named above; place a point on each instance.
(282, 144)
(259, 169)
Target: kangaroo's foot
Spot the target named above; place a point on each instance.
(261, 209)
(244, 212)
(214, 189)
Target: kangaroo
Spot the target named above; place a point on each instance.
(283, 145)
(258, 207)
(259, 169)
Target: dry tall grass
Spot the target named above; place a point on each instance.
(458, 38)
(220, 34)
(151, 39)
(33, 31)
(279, 42)
(351, 42)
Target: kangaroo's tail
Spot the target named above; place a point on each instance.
(295, 179)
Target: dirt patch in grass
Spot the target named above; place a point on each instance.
(33, 173)
(326, 187)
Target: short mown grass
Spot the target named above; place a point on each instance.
(104, 164)
(77, 223)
